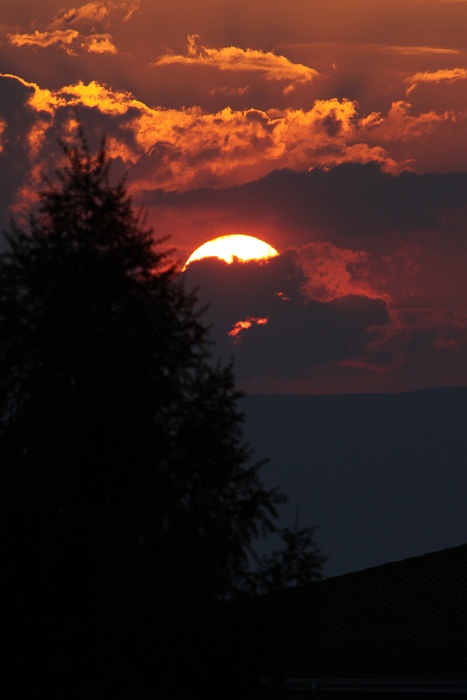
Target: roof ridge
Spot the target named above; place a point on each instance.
(398, 562)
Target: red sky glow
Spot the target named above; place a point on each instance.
(335, 131)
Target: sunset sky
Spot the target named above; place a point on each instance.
(334, 130)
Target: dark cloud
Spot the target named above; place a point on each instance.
(15, 162)
(402, 238)
(349, 202)
(297, 338)
(299, 335)
(350, 343)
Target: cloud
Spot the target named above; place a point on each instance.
(17, 154)
(69, 40)
(351, 230)
(63, 39)
(330, 173)
(417, 50)
(90, 12)
(234, 59)
(366, 47)
(191, 148)
(349, 342)
(2, 130)
(440, 76)
(420, 348)
(91, 95)
(99, 43)
(229, 91)
(399, 125)
(183, 149)
(96, 13)
(358, 244)
(65, 32)
(284, 334)
(331, 272)
(313, 274)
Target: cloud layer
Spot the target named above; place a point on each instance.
(334, 131)
(191, 148)
(338, 342)
(74, 30)
(234, 59)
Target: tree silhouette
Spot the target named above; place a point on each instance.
(130, 501)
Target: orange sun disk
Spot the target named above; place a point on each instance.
(233, 247)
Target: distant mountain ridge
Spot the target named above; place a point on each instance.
(383, 475)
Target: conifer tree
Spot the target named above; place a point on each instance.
(130, 500)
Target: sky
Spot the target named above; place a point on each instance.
(335, 130)
(382, 475)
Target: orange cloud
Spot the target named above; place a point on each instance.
(400, 126)
(181, 149)
(189, 148)
(332, 272)
(95, 13)
(91, 95)
(27, 195)
(99, 43)
(59, 38)
(91, 12)
(241, 326)
(64, 31)
(231, 58)
(69, 40)
(362, 47)
(415, 50)
(439, 76)
(40, 100)
(325, 136)
(2, 129)
(193, 149)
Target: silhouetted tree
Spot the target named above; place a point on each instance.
(130, 502)
(297, 562)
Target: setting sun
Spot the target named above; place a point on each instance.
(235, 246)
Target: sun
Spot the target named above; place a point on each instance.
(236, 246)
